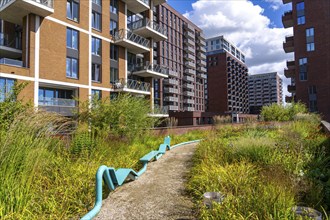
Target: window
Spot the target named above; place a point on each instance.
(72, 10)
(96, 46)
(71, 68)
(54, 97)
(96, 94)
(98, 2)
(301, 13)
(113, 26)
(310, 39)
(96, 72)
(71, 38)
(114, 75)
(303, 69)
(312, 90)
(6, 87)
(114, 6)
(96, 20)
(114, 52)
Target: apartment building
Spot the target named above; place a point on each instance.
(75, 48)
(184, 53)
(264, 89)
(310, 69)
(227, 82)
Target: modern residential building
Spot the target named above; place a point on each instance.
(184, 53)
(227, 82)
(310, 42)
(75, 48)
(264, 89)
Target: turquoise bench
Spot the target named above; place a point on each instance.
(150, 156)
(156, 154)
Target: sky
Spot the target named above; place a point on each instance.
(255, 26)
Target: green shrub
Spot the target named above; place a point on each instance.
(277, 112)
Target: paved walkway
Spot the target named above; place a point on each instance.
(158, 194)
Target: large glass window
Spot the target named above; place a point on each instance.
(114, 6)
(113, 26)
(114, 75)
(98, 2)
(56, 97)
(310, 45)
(96, 20)
(71, 68)
(71, 38)
(96, 94)
(96, 46)
(96, 72)
(6, 87)
(72, 10)
(303, 69)
(114, 52)
(301, 19)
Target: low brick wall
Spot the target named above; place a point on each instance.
(180, 129)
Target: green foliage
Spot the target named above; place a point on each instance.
(277, 112)
(263, 170)
(125, 116)
(10, 107)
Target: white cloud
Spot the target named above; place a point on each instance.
(244, 24)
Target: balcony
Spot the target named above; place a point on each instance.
(190, 35)
(150, 70)
(65, 107)
(149, 29)
(171, 99)
(291, 88)
(201, 56)
(173, 73)
(289, 99)
(188, 79)
(171, 90)
(189, 42)
(11, 62)
(202, 49)
(14, 10)
(287, 1)
(137, 6)
(188, 86)
(130, 85)
(287, 19)
(201, 69)
(172, 107)
(201, 63)
(190, 64)
(189, 109)
(288, 44)
(190, 71)
(188, 27)
(200, 36)
(189, 57)
(289, 73)
(189, 101)
(10, 48)
(202, 75)
(188, 93)
(133, 42)
(189, 49)
(201, 42)
(291, 64)
(171, 82)
(159, 2)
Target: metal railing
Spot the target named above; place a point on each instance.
(47, 101)
(146, 22)
(11, 62)
(14, 43)
(47, 3)
(158, 110)
(131, 84)
(129, 35)
(152, 67)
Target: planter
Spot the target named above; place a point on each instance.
(210, 197)
(307, 212)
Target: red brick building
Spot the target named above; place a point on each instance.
(310, 42)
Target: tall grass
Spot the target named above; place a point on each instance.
(263, 171)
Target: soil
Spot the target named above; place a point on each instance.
(158, 194)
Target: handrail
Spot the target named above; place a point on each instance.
(47, 3)
(152, 67)
(115, 178)
(131, 84)
(146, 22)
(129, 35)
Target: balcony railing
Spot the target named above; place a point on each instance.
(158, 110)
(172, 107)
(47, 3)
(173, 73)
(11, 62)
(47, 101)
(131, 84)
(146, 22)
(171, 99)
(171, 82)
(148, 69)
(201, 55)
(287, 19)
(123, 35)
(171, 90)
(13, 43)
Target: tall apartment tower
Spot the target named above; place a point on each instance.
(75, 48)
(310, 42)
(264, 89)
(184, 53)
(227, 77)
